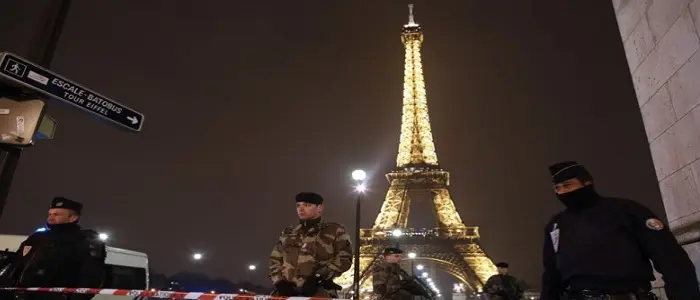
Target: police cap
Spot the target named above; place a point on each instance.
(566, 170)
(309, 197)
(502, 265)
(61, 202)
(392, 250)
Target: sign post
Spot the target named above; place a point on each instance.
(22, 72)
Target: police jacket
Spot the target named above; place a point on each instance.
(607, 246)
(64, 256)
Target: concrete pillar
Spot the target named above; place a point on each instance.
(661, 42)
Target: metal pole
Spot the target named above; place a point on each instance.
(12, 154)
(413, 273)
(9, 164)
(356, 275)
(55, 35)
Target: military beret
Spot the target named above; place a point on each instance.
(502, 265)
(392, 250)
(61, 202)
(309, 197)
(566, 170)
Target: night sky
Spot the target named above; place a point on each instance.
(249, 102)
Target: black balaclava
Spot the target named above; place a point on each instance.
(579, 198)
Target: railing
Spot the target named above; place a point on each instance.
(450, 233)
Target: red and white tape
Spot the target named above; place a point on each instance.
(159, 294)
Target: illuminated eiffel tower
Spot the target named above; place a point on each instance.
(451, 245)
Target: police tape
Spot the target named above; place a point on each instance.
(159, 294)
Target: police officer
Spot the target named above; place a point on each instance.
(65, 255)
(388, 277)
(308, 255)
(600, 247)
(503, 286)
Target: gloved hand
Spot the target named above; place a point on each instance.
(286, 289)
(329, 285)
(310, 286)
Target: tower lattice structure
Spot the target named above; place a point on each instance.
(451, 245)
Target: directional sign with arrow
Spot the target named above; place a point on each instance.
(25, 73)
(133, 120)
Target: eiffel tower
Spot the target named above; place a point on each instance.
(451, 245)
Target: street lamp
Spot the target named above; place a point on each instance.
(197, 256)
(251, 268)
(397, 233)
(358, 176)
(103, 236)
(412, 256)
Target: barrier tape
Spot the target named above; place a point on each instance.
(160, 294)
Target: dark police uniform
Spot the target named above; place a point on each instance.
(602, 247)
(65, 255)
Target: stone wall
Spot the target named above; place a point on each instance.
(661, 42)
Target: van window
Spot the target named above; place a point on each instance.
(123, 277)
(5, 255)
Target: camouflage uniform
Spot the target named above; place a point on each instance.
(311, 248)
(503, 287)
(387, 282)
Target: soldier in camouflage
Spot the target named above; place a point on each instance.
(309, 255)
(503, 286)
(388, 278)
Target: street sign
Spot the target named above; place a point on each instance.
(19, 70)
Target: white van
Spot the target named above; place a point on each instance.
(126, 269)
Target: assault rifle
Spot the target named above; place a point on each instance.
(416, 286)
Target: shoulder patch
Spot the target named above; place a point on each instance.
(288, 230)
(379, 267)
(327, 224)
(332, 225)
(654, 224)
(25, 250)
